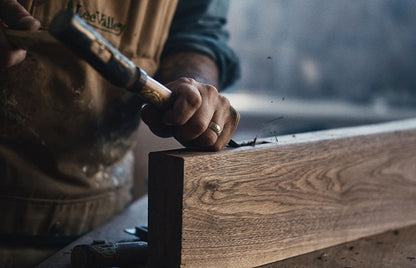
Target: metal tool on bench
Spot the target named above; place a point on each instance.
(101, 254)
(138, 231)
(122, 254)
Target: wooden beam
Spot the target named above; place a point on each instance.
(395, 248)
(256, 205)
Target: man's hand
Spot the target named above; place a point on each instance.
(14, 16)
(199, 118)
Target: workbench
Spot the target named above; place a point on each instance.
(112, 231)
(395, 248)
(336, 198)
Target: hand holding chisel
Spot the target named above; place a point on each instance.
(72, 31)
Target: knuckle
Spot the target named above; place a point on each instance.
(186, 80)
(224, 101)
(211, 90)
(177, 121)
(209, 140)
(180, 83)
(235, 116)
(217, 147)
(198, 127)
(194, 99)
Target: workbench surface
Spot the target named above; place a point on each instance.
(396, 248)
(134, 215)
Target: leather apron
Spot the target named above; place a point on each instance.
(66, 134)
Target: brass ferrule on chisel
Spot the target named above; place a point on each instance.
(89, 45)
(151, 91)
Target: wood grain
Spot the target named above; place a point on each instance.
(395, 248)
(256, 205)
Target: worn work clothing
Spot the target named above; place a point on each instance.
(66, 134)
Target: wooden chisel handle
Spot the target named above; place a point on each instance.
(89, 45)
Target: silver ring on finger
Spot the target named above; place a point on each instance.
(215, 128)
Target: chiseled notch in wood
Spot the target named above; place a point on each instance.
(251, 206)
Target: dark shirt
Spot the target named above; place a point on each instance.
(200, 26)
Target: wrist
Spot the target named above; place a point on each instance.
(190, 65)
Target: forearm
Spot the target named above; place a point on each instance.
(190, 65)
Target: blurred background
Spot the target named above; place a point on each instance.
(309, 65)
